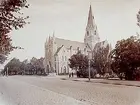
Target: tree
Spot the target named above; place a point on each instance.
(101, 58)
(79, 62)
(126, 57)
(2, 58)
(13, 66)
(40, 66)
(23, 66)
(34, 64)
(34, 67)
(10, 18)
(37, 65)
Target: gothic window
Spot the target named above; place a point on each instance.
(58, 67)
(55, 66)
(70, 47)
(95, 32)
(78, 49)
(62, 58)
(65, 58)
(87, 33)
(61, 70)
(84, 49)
(64, 70)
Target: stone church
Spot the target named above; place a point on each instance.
(58, 51)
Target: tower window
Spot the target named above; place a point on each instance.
(65, 58)
(55, 66)
(87, 33)
(78, 49)
(95, 32)
(84, 49)
(62, 58)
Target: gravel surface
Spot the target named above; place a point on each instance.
(80, 92)
(13, 92)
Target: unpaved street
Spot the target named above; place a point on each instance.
(26, 90)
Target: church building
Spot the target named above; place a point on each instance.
(58, 51)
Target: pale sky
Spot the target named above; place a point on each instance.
(115, 19)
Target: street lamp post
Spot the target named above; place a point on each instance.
(89, 63)
(89, 70)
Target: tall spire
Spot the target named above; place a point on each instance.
(91, 35)
(90, 19)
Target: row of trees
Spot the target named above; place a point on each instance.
(16, 67)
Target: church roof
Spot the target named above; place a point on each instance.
(101, 44)
(58, 50)
(68, 43)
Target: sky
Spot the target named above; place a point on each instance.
(115, 19)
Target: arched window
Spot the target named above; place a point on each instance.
(78, 49)
(62, 58)
(61, 69)
(87, 33)
(55, 66)
(65, 58)
(95, 32)
(84, 49)
(70, 47)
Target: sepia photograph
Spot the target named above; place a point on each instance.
(69, 52)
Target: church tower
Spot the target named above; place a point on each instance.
(91, 35)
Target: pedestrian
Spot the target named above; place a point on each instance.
(72, 74)
(69, 75)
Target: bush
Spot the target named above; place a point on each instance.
(84, 73)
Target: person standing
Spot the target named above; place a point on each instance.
(72, 73)
(69, 75)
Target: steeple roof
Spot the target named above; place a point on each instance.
(90, 18)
